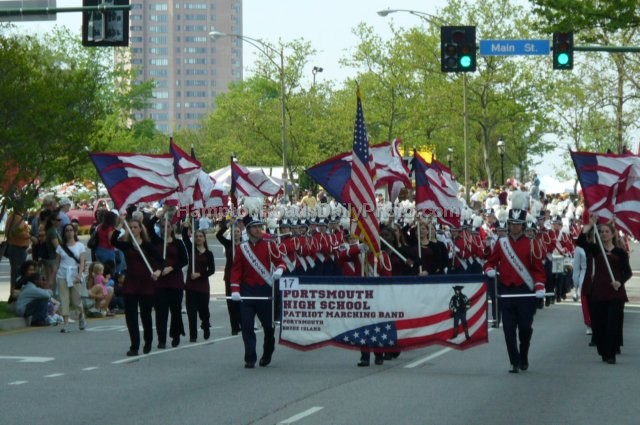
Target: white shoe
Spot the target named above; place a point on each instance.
(589, 331)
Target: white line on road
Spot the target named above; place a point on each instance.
(24, 359)
(426, 359)
(86, 369)
(54, 375)
(169, 350)
(301, 415)
(18, 382)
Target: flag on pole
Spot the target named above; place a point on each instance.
(187, 170)
(391, 171)
(611, 187)
(251, 183)
(131, 178)
(437, 191)
(360, 193)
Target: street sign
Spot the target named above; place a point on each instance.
(514, 47)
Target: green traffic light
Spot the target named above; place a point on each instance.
(563, 59)
(465, 61)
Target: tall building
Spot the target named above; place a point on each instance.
(170, 43)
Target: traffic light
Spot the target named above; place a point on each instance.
(107, 28)
(458, 49)
(563, 50)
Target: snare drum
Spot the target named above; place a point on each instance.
(557, 264)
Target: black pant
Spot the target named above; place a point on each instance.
(197, 304)
(606, 324)
(131, 303)
(249, 309)
(168, 300)
(37, 309)
(517, 320)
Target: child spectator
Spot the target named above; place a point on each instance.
(98, 289)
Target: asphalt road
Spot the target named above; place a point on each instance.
(85, 377)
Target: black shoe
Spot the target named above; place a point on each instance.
(249, 365)
(193, 339)
(592, 343)
(514, 369)
(162, 345)
(611, 360)
(146, 349)
(206, 333)
(264, 361)
(175, 341)
(363, 363)
(378, 360)
(388, 356)
(524, 362)
(132, 353)
(234, 332)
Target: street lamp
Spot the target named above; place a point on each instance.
(501, 149)
(422, 15)
(268, 49)
(314, 71)
(449, 156)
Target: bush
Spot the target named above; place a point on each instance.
(5, 313)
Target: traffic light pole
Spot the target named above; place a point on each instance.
(53, 10)
(464, 137)
(611, 49)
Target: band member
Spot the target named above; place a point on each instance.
(563, 247)
(520, 276)
(460, 251)
(235, 238)
(257, 264)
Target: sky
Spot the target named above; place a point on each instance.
(326, 24)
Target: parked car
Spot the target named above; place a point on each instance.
(85, 217)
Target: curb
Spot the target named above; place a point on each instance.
(13, 323)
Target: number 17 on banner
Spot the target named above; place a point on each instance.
(287, 283)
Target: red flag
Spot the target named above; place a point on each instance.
(611, 187)
(251, 183)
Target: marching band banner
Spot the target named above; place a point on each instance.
(383, 313)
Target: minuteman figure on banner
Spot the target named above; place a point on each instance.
(458, 306)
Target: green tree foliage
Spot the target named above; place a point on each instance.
(608, 16)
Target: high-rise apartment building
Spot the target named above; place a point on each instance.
(170, 43)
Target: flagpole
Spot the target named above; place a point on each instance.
(164, 245)
(137, 245)
(604, 254)
(193, 245)
(419, 245)
(395, 251)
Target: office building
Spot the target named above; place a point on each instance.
(170, 42)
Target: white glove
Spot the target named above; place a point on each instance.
(491, 273)
(363, 247)
(277, 274)
(235, 296)
(540, 293)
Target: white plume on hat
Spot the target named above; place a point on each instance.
(502, 215)
(477, 221)
(553, 209)
(518, 200)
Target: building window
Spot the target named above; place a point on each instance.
(158, 6)
(159, 61)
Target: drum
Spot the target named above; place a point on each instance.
(557, 264)
(568, 264)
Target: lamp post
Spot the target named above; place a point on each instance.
(501, 149)
(430, 19)
(449, 156)
(314, 71)
(268, 49)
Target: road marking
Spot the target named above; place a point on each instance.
(301, 415)
(18, 382)
(86, 369)
(426, 359)
(24, 359)
(54, 375)
(169, 350)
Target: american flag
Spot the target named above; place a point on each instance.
(131, 178)
(360, 193)
(611, 187)
(437, 191)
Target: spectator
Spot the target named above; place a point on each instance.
(34, 300)
(49, 204)
(70, 263)
(17, 233)
(204, 223)
(52, 240)
(64, 207)
(98, 289)
(105, 252)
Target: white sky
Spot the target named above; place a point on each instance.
(326, 24)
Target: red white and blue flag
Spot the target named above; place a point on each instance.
(396, 314)
(251, 183)
(611, 187)
(391, 172)
(131, 178)
(360, 195)
(437, 191)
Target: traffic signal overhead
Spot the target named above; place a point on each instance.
(563, 50)
(458, 48)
